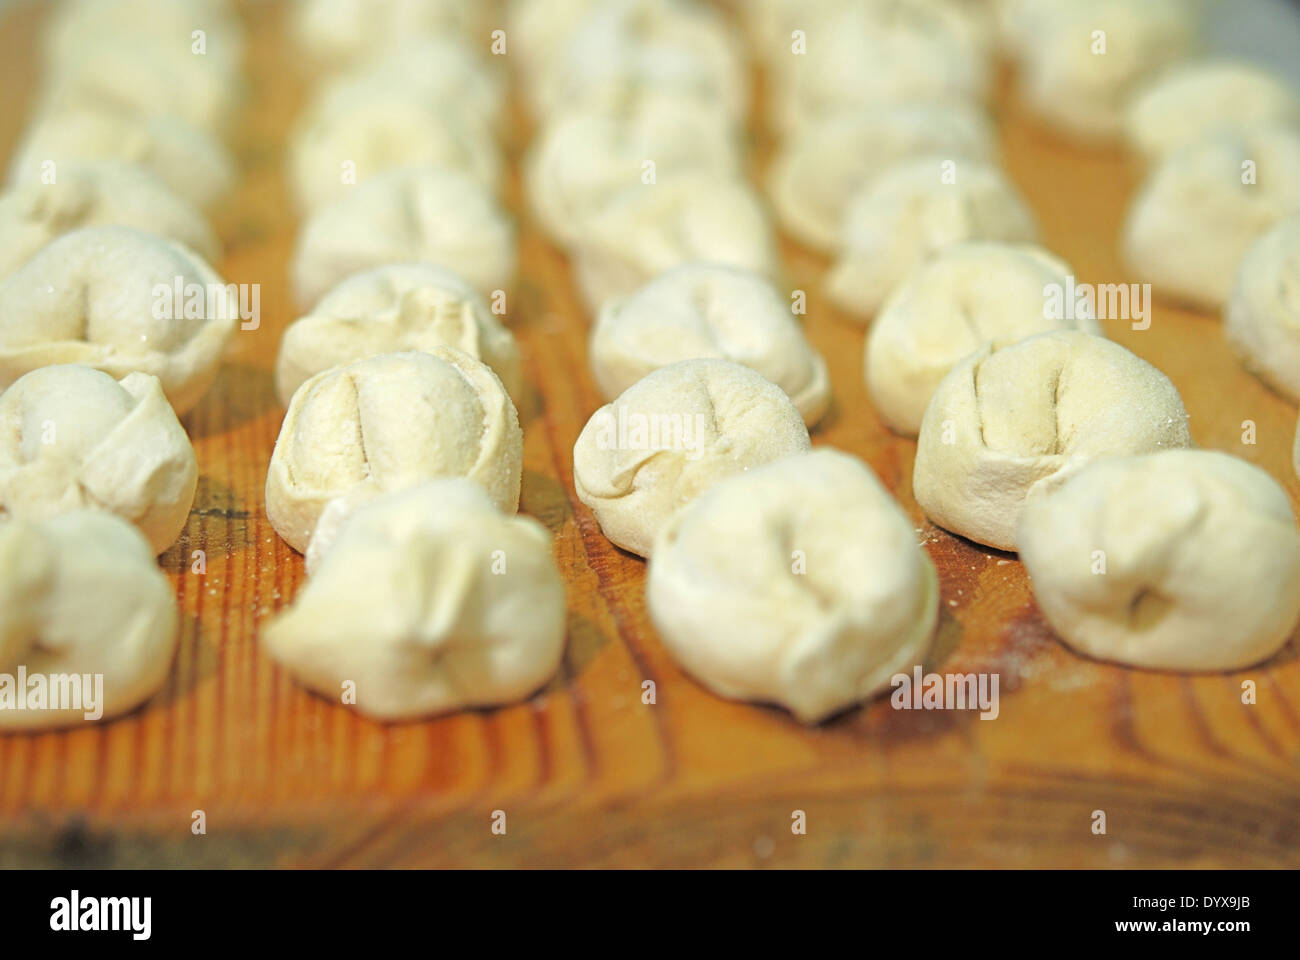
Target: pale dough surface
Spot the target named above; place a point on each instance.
(799, 582)
(80, 593)
(105, 297)
(72, 437)
(671, 436)
(1262, 320)
(1006, 425)
(388, 423)
(1179, 560)
(430, 600)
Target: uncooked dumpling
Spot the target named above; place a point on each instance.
(1262, 321)
(1081, 61)
(622, 47)
(649, 228)
(912, 211)
(799, 582)
(674, 434)
(401, 306)
(863, 55)
(191, 162)
(334, 34)
(584, 157)
(97, 194)
(106, 297)
(708, 310)
(1203, 97)
(430, 600)
(421, 213)
(340, 143)
(1008, 425)
(80, 594)
(1180, 560)
(387, 423)
(1203, 205)
(967, 296)
(72, 437)
(829, 160)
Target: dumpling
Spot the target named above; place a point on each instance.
(391, 309)
(799, 582)
(72, 437)
(913, 210)
(387, 423)
(831, 159)
(334, 34)
(1010, 424)
(1081, 61)
(342, 141)
(707, 310)
(1180, 560)
(189, 161)
(81, 597)
(1202, 206)
(1203, 97)
(118, 300)
(585, 156)
(430, 600)
(647, 229)
(866, 54)
(97, 194)
(1262, 320)
(421, 213)
(672, 435)
(624, 46)
(968, 296)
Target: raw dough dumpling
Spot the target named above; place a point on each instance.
(377, 135)
(80, 594)
(1194, 99)
(865, 54)
(1180, 560)
(1066, 78)
(430, 600)
(335, 34)
(191, 162)
(967, 296)
(448, 73)
(708, 310)
(539, 31)
(1262, 321)
(1194, 216)
(72, 437)
(421, 213)
(584, 157)
(830, 160)
(97, 194)
(664, 46)
(908, 213)
(391, 309)
(799, 582)
(649, 228)
(104, 297)
(201, 91)
(674, 434)
(1007, 425)
(388, 423)
(76, 26)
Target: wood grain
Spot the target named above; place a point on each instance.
(586, 773)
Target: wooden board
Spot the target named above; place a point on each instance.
(586, 773)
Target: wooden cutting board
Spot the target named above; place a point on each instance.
(587, 774)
